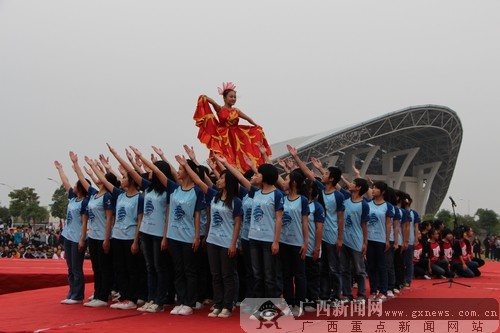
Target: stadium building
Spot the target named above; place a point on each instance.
(414, 150)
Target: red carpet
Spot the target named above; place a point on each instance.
(39, 310)
(29, 274)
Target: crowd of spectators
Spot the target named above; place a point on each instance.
(25, 242)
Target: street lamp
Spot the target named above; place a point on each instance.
(13, 189)
(55, 181)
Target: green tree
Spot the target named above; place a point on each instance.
(488, 220)
(25, 204)
(447, 217)
(4, 214)
(59, 203)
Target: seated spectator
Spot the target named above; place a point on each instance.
(50, 252)
(29, 253)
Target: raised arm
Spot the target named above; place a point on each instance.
(99, 174)
(160, 153)
(263, 152)
(105, 163)
(135, 162)
(213, 167)
(130, 169)
(161, 176)
(190, 152)
(196, 179)
(91, 174)
(247, 118)
(241, 179)
(250, 163)
(214, 104)
(318, 165)
(78, 170)
(307, 172)
(62, 175)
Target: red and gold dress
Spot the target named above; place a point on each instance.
(225, 137)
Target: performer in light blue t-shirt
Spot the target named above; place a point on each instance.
(72, 232)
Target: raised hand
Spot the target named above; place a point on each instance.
(104, 161)
(111, 149)
(129, 155)
(89, 161)
(153, 158)
(136, 151)
(58, 165)
(157, 151)
(88, 171)
(73, 157)
(248, 161)
(292, 150)
(317, 163)
(211, 164)
(220, 158)
(138, 160)
(190, 152)
(181, 160)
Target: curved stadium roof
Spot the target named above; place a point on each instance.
(414, 149)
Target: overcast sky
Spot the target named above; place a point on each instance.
(77, 74)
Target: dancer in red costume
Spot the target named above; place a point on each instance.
(223, 135)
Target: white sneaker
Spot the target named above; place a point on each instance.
(225, 313)
(91, 297)
(125, 305)
(72, 301)
(186, 310)
(140, 302)
(381, 298)
(176, 309)
(214, 313)
(155, 308)
(145, 307)
(427, 277)
(198, 306)
(64, 301)
(396, 290)
(96, 303)
(390, 293)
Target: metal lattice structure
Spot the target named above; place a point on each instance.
(414, 149)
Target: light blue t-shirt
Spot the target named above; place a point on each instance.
(72, 230)
(414, 219)
(155, 211)
(405, 218)
(291, 228)
(127, 211)
(247, 216)
(222, 220)
(316, 215)
(396, 218)
(96, 210)
(356, 213)
(183, 205)
(334, 203)
(264, 208)
(376, 223)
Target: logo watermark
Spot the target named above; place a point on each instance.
(374, 316)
